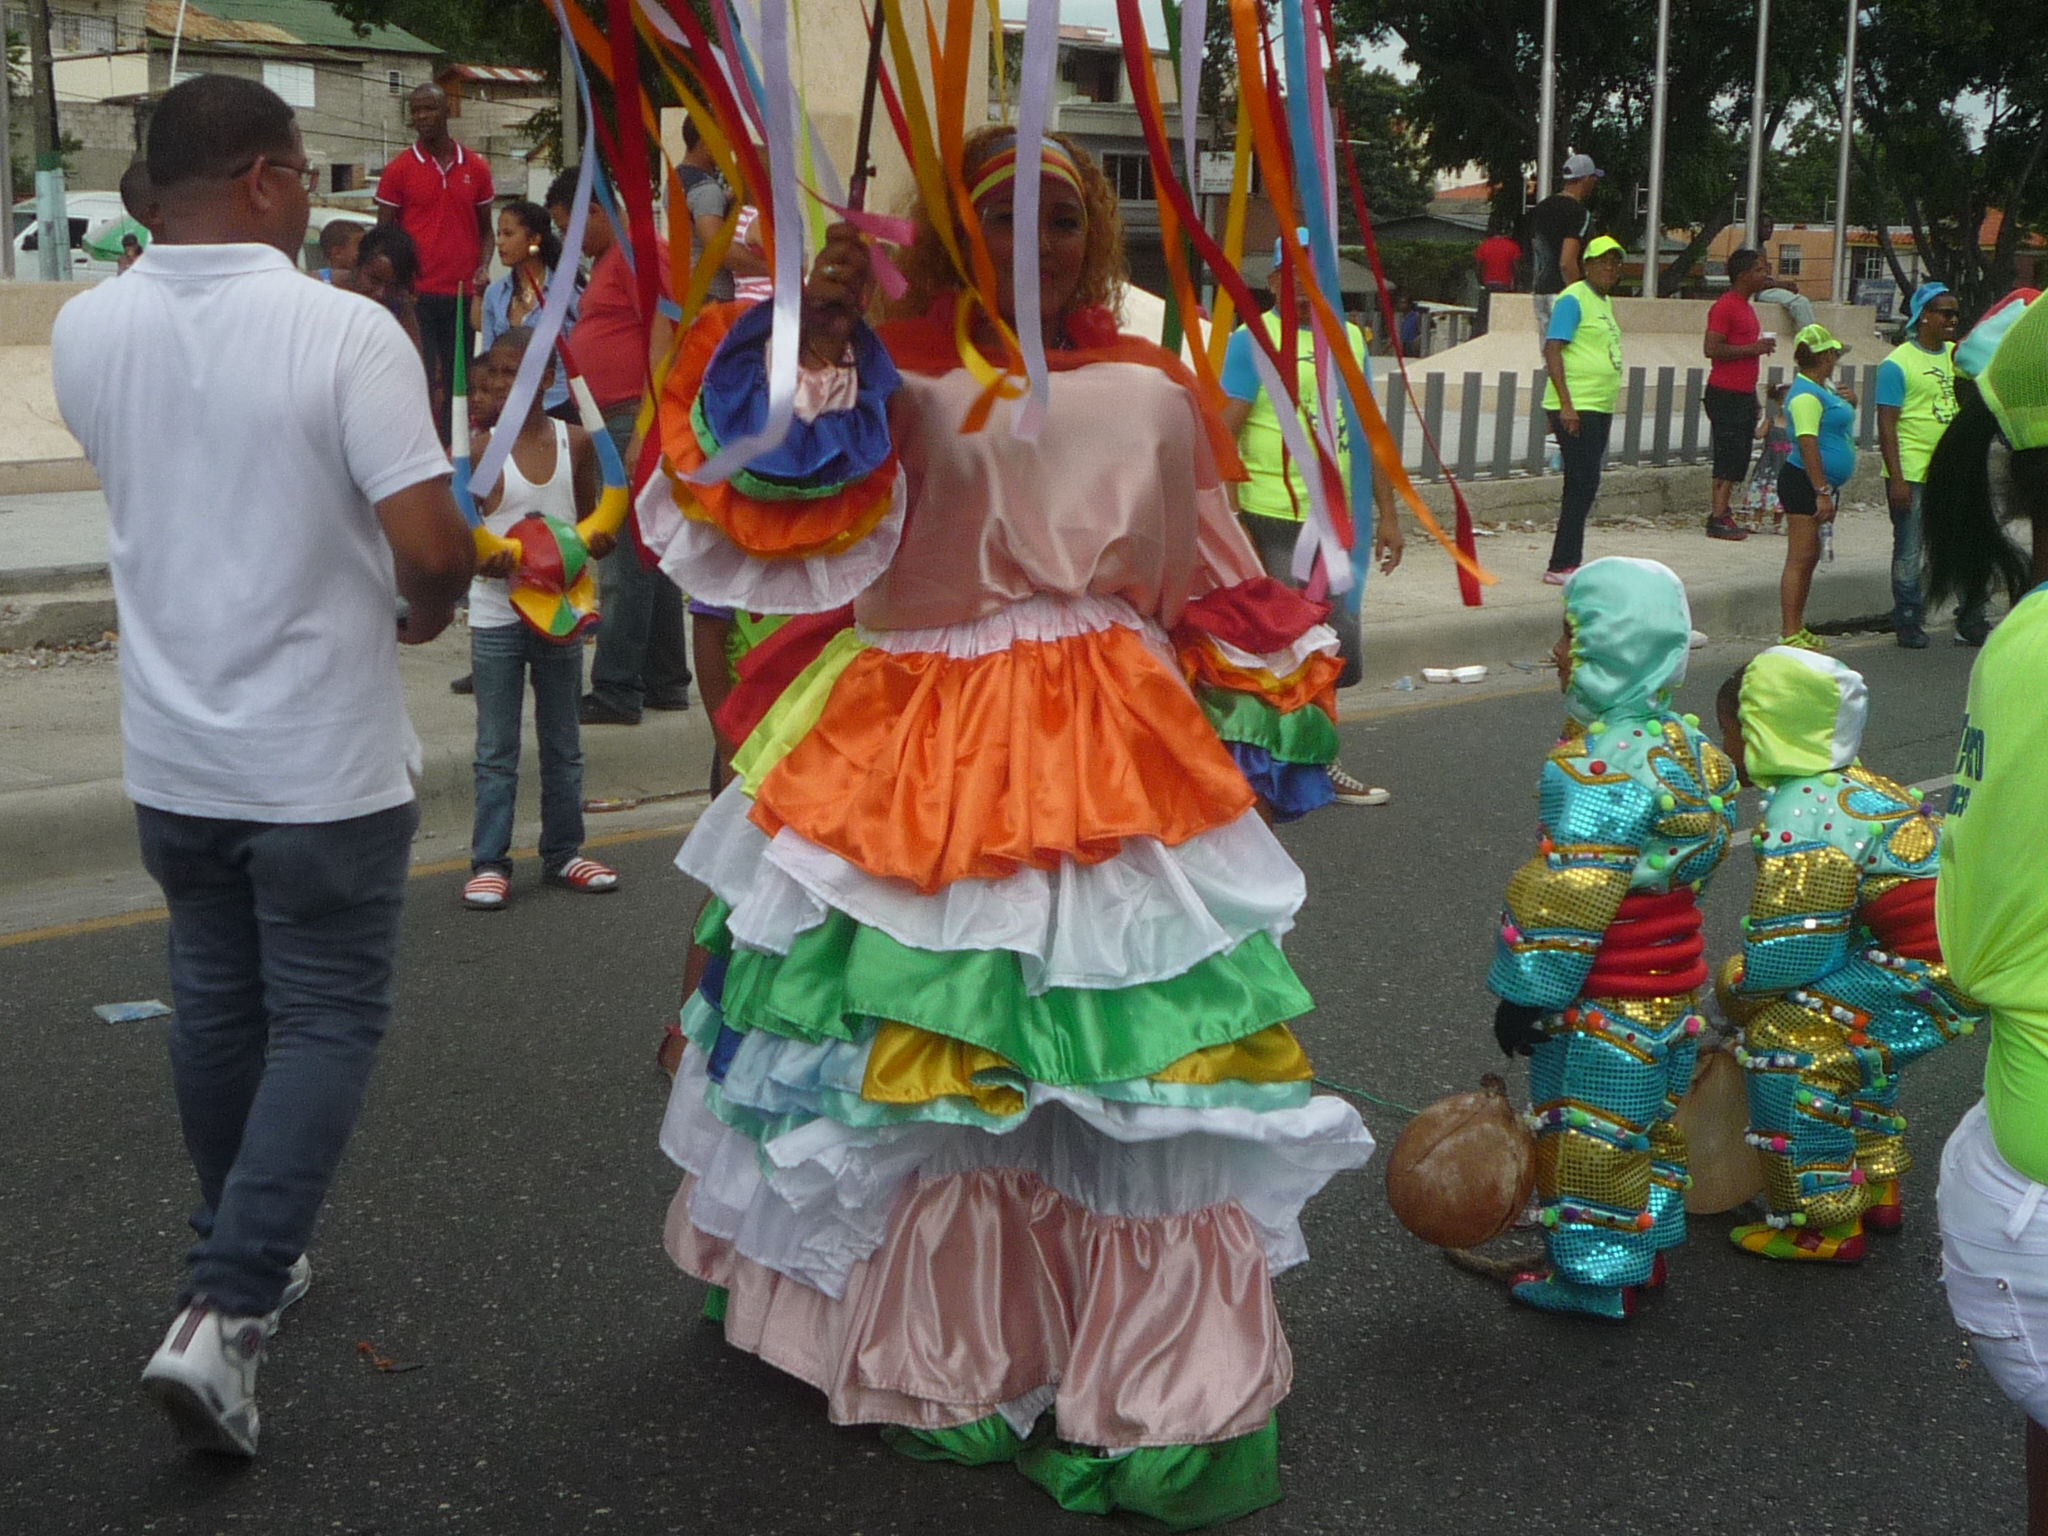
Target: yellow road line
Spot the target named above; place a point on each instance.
(158, 914)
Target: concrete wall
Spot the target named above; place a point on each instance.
(28, 310)
(108, 132)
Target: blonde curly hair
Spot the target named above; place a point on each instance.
(929, 270)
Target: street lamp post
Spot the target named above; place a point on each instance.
(1546, 130)
(1753, 225)
(1839, 289)
(1653, 233)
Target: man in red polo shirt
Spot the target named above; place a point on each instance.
(1735, 345)
(640, 662)
(1496, 258)
(440, 194)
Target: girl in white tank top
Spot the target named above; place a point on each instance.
(490, 601)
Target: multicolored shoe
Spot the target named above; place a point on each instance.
(1803, 640)
(1839, 1244)
(1546, 1293)
(1885, 1213)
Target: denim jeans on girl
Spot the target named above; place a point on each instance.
(501, 659)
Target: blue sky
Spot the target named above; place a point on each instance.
(1102, 13)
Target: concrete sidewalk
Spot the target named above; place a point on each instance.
(67, 842)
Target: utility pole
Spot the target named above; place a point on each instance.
(53, 229)
(1753, 225)
(1653, 235)
(1546, 129)
(1838, 289)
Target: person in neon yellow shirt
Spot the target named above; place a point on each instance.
(1916, 400)
(1272, 500)
(1582, 355)
(1991, 899)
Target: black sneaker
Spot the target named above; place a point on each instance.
(594, 711)
(1973, 636)
(1725, 528)
(1912, 637)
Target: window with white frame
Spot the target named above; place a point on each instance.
(396, 81)
(1871, 266)
(1788, 260)
(1131, 175)
(294, 82)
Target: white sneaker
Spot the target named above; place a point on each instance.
(298, 1280)
(204, 1376)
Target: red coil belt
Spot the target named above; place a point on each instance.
(1653, 948)
(1902, 921)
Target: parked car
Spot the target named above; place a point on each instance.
(90, 216)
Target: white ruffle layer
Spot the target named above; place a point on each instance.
(1148, 914)
(814, 1202)
(701, 560)
(1317, 640)
(1044, 617)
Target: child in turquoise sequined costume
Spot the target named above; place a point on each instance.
(1840, 981)
(1600, 957)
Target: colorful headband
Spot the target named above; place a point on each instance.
(1002, 167)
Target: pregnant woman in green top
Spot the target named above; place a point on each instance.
(1992, 898)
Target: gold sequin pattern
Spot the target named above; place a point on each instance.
(1575, 1166)
(1804, 884)
(1580, 901)
(1913, 841)
(1837, 1203)
(1881, 1155)
(1782, 1025)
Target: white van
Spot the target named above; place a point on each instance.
(89, 214)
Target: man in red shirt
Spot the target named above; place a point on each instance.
(1496, 258)
(1735, 342)
(640, 661)
(440, 194)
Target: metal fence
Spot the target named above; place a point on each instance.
(1496, 429)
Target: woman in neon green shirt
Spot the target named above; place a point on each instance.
(1992, 897)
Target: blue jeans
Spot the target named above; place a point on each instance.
(283, 940)
(500, 660)
(640, 617)
(1907, 555)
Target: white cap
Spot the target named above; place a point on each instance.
(1581, 165)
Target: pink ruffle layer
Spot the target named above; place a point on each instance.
(991, 1286)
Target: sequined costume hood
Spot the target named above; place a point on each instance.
(1631, 628)
(1801, 714)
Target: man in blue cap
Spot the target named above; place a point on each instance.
(1916, 400)
(1273, 498)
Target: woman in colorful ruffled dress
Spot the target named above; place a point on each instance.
(992, 1125)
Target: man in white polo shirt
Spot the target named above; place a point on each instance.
(275, 484)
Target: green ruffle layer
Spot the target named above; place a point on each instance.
(1174, 1487)
(1304, 735)
(745, 481)
(840, 975)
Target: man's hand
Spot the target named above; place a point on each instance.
(1898, 496)
(1387, 539)
(601, 544)
(481, 279)
(1763, 347)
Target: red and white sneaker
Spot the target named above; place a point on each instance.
(487, 890)
(204, 1376)
(581, 874)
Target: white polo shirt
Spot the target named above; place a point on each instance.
(243, 419)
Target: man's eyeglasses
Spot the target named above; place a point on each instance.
(308, 175)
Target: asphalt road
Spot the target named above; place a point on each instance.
(497, 1225)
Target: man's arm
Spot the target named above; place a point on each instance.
(432, 554)
(1720, 349)
(1568, 258)
(485, 243)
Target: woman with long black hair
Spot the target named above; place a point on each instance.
(529, 248)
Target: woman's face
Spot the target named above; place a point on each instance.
(1822, 368)
(1062, 244)
(515, 241)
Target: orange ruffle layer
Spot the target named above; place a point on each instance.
(1313, 682)
(770, 530)
(930, 769)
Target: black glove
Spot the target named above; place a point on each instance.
(1514, 1026)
